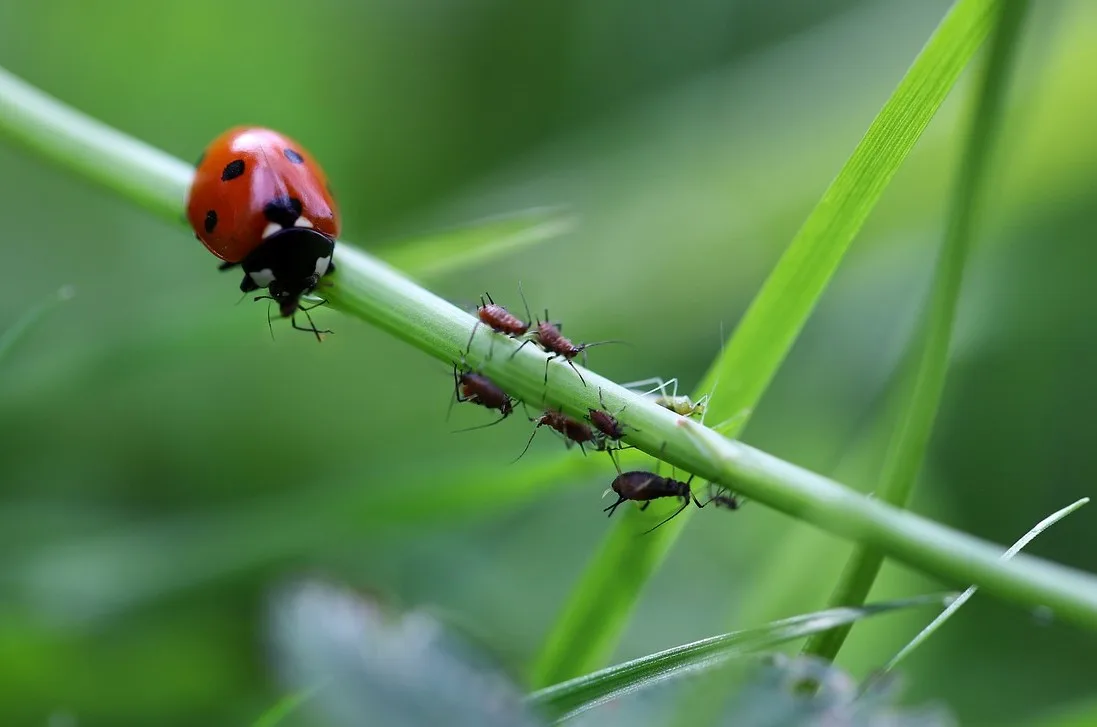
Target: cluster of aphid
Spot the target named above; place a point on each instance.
(599, 429)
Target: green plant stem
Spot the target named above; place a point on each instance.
(908, 445)
(372, 291)
(964, 597)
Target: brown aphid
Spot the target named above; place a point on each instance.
(479, 389)
(722, 498)
(549, 337)
(573, 430)
(499, 319)
(607, 425)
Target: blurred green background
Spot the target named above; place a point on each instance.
(161, 464)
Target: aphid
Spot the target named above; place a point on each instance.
(606, 424)
(680, 405)
(549, 337)
(259, 200)
(722, 498)
(644, 487)
(499, 319)
(479, 389)
(573, 430)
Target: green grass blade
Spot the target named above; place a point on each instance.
(596, 614)
(964, 597)
(930, 353)
(285, 707)
(15, 332)
(573, 697)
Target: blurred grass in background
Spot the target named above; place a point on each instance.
(159, 468)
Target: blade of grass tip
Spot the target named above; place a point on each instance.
(444, 252)
(285, 706)
(929, 355)
(596, 614)
(15, 332)
(963, 598)
(570, 698)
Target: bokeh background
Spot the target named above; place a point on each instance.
(165, 463)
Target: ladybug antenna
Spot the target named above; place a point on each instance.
(269, 324)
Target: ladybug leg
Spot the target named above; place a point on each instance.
(247, 285)
(227, 266)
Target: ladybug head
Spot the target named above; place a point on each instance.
(288, 296)
(290, 264)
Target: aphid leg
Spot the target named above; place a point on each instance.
(481, 426)
(664, 522)
(658, 381)
(572, 365)
(616, 464)
(523, 345)
(456, 393)
(475, 326)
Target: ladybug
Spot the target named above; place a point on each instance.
(260, 201)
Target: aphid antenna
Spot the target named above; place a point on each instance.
(525, 303)
(528, 442)
(531, 435)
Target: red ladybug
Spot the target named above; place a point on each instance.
(260, 201)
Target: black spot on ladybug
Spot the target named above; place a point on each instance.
(283, 210)
(211, 221)
(232, 170)
(293, 156)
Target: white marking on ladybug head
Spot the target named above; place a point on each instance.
(322, 265)
(271, 229)
(263, 278)
(302, 221)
